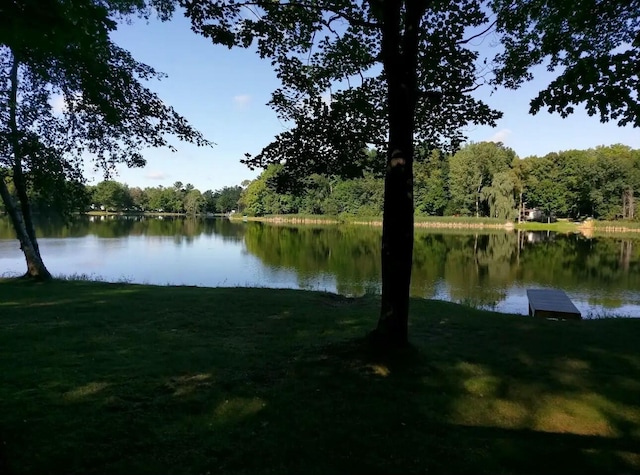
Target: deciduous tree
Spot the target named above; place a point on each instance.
(393, 72)
(60, 52)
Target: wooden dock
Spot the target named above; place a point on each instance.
(551, 303)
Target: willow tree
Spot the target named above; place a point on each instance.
(391, 73)
(68, 93)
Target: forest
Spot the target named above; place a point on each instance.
(112, 196)
(482, 179)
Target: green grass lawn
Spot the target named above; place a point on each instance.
(126, 379)
(558, 226)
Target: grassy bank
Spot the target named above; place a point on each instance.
(558, 227)
(458, 222)
(420, 221)
(127, 379)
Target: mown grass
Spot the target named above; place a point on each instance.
(558, 226)
(126, 379)
(456, 222)
(470, 220)
(351, 218)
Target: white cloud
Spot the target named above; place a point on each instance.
(242, 101)
(500, 136)
(156, 176)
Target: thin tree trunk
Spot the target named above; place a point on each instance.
(35, 266)
(18, 176)
(520, 209)
(21, 218)
(400, 59)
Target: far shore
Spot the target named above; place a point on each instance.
(588, 227)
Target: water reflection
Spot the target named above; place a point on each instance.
(107, 227)
(488, 269)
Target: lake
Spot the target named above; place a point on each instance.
(488, 269)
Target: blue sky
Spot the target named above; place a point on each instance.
(223, 93)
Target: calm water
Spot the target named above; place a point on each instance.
(489, 269)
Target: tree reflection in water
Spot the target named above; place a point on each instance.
(477, 268)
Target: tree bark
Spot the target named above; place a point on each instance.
(399, 51)
(35, 266)
(18, 176)
(21, 217)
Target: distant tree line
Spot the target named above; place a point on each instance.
(113, 196)
(482, 179)
(110, 195)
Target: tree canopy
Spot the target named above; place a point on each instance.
(592, 45)
(481, 179)
(391, 73)
(60, 52)
(329, 54)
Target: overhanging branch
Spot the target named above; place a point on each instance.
(478, 35)
(353, 21)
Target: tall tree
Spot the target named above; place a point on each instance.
(395, 71)
(431, 187)
(111, 196)
(387, 73)
(228, 199)
(474, 168)
(193, 202)
(60, 52)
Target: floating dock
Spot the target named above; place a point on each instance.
(551, 303)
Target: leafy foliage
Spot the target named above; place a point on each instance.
(572, 183)
(475, 176)
(328, 56)
(69, 93)
(594, 45)
(353, 72)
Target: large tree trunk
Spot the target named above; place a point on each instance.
(399, 52)
(397, 236)
(35, 266)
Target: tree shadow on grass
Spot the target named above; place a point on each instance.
(146, 380)
(407, 413)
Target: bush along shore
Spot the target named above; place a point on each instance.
(129, 379)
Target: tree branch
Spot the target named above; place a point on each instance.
(353, 21)
(482, 33)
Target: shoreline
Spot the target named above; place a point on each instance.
(587, 228)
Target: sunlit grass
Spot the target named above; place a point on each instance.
(558, 226)
(125, 379)
(610, 228)
(470, 220)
